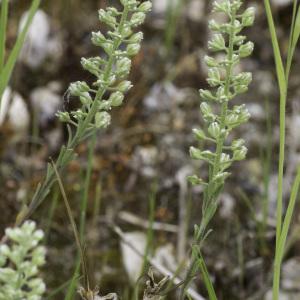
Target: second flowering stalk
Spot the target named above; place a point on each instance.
(226, 84)
(220, 117)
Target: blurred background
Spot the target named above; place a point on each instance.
(141, 162)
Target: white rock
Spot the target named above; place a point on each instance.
(291, 274)
(256, 111)
(38, 43)
(18, 115)
(164, 255)
(283, 296)
(196, 10)
(227, 206)
(46, 102)
(159, 6)
(163, 96)
(144, 160)
(5, 104)
(133, 262)
(281, 2)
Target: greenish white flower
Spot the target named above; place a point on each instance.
(20, 263)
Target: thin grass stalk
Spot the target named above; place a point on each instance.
(283, 95)
(206, 278)
(97, 203)
(282, 76)
(75, 230)
(58, 290)
(87, 184)
(3, 26)
(294, 36)
(83, 208)
(11, 61)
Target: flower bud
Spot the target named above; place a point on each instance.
(214, 26)
(199, 133)
(246, 49)
(123, 66)
(137, 18)
(116, 98)
(63, 116)
(124, 86)
(210, 61)
(195, 180)
(107, 18)
(240, 154)
(102, 119)
(248, 17)
(214, 130)
(207, 95)
(79, 87)
(133, 49)
(136, 38)
(217, 43)
(98, 38)
(145, 6)
(214, 77)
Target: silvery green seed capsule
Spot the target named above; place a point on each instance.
(214, 130)
(123, 65)
(217, 43)
(137, 18)
(205, 108)
(98, 38)
(136, 38)
(240, 89)
(236, 144)
(124, 86)
(145, 6)
(240, 154)
(63, 116)
(210, 61)
(116, 98)
(214, 77)
(102, 119)
(248, 17)
(213, 25)
(246, 49)
(206, 95)
(199, 133)
(195, 180)
(133, 49)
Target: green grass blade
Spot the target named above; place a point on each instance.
(293, 37)
(283, 236)
(8, 68)
(283, 94)
(59, 289)
(289, 214)
(74, 228)
(277, 54)
(3, 26)
(207, 281)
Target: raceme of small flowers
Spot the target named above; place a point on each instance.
(20, 261)
(226, 85)
(119, 45)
